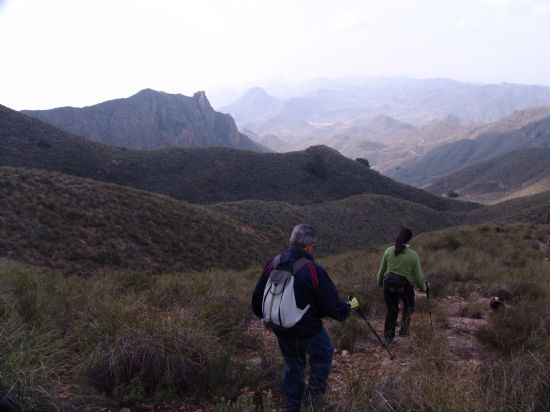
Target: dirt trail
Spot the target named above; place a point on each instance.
(457, 332)
(368, 357)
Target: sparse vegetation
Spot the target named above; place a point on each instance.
(202, 175)
(162, 315)
(128, 338)
(78, 225)
(513, 174)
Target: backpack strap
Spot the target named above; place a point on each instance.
(272, 264)
(300, 263)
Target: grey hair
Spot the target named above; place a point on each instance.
(303, 235)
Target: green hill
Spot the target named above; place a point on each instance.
(76, 224)
(201, 175)
(55, 220)
(518, 173)
(356, 222)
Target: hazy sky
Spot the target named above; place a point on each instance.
(82, 52)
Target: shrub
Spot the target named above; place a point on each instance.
(524, 326)
(517, 384)
(317, 167)
(163, 354)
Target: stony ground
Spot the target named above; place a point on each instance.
(370, 358)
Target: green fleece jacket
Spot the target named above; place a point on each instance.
(406, 264)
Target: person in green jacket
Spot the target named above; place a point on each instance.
(399, 271)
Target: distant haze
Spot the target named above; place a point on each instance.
(78, 53)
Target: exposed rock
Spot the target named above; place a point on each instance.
(150, 120)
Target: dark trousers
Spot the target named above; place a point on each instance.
(295, 353)
(397, 288)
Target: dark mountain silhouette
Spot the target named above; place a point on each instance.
(531, 130)
(514, 174)
(150, 120)
(201, 175)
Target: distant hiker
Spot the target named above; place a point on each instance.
(295, 313)
(399, 270)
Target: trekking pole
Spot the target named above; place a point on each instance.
(428, 297)
(375, 333)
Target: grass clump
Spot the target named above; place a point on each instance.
(121, 339)
(128, 338)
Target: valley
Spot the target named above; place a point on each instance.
(126, 272)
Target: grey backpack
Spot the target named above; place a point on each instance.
(279, 303)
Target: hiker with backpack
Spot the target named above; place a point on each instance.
(292, 296)
(399, 271)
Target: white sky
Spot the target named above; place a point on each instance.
(81, 52)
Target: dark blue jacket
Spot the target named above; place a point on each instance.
(311, 286)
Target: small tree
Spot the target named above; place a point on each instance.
(363, 161)
(316, 167)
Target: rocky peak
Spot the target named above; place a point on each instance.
(202, 100)
(151, 119)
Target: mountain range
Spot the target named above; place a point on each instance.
(514, 174)
(416, 101)
(200, 175)
(87, 205)
(524, 129)
(414, 131)
(151, 120)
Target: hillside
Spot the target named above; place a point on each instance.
(534, 209)
(188, 340)
(487, 143)
(56, 220)
(356, 222)
(411, 142)
(74, 224)
(517, 173)
(200, 175)
(80, 225)
(150, 120)
(410, 117)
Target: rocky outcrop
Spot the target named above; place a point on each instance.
(151, 120)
